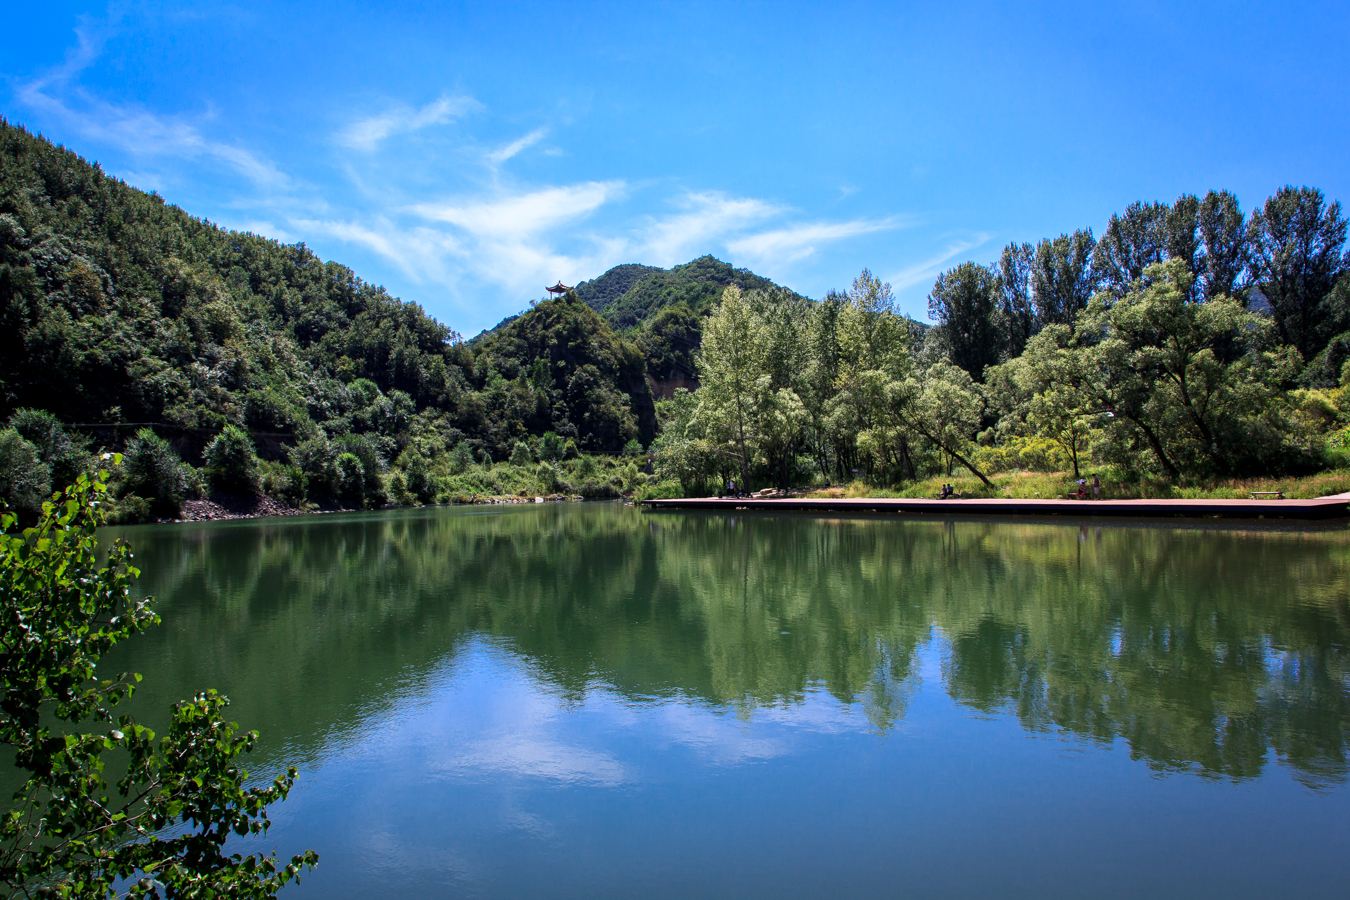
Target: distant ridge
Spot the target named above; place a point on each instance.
(120, 311)
(628, 295)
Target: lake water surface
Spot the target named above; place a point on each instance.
(591, 700)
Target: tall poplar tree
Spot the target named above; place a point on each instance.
(965, 303)
(1298, 255)
(731, 376)
(1014, 286)
(1223, 236)
(1132, 241)
(1062, 281)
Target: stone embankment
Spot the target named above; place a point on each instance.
(251, 508)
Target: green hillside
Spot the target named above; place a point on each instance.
(663, 310)
(598, 293)
(116, 307)
(696, 284)
(120, 312)
(559, 367)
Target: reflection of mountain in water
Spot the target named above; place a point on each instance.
(1203, 649)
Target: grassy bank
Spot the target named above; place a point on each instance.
(1051, 485)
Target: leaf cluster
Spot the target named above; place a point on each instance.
(106, 804)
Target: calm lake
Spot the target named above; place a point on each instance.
(589, 700)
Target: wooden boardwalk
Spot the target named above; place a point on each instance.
(1334, 507)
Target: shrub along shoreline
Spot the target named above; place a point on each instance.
(346, 473)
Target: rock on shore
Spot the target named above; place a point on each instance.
(235, 508)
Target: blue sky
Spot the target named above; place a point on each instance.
(466, 155)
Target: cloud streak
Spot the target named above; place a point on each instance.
(521, 214)
(367, 134)
(701, 222)
(798, 242)
(929, 269)
(131, 128)
(515, 148)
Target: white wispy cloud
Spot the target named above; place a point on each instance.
(510, 240)
(424, 255)
(796, 242)
(481, 241)
(366, 134)
(131, 128)
(702, 221)
(516, 147)
(527, 213)
(88, 44)
(928, 269)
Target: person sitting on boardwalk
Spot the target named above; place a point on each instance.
(1081, 492)
(946, 492)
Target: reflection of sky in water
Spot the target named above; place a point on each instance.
(485, 781)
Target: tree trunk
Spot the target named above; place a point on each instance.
(907, 460)
(1156, 446)
(971, 466)
(1206, 433)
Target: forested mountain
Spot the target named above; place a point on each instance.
(663, 310)
(120, 313)
(601, 292)
(117, 308)
(646, 290)
(559, 367)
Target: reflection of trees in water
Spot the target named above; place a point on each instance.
(1203, 649)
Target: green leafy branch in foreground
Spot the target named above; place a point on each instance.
(159, 829)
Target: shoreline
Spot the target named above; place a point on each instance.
(1336, 506)
(231, 509)
(1332, 507)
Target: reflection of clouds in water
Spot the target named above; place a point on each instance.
(819, 713)
(718, 737)
(387, 849)
(538, 755)
(493, 718)
(732, 737)
(523, 820)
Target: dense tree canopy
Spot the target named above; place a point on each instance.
(696, 285)
(583, 381)
(1130, 355)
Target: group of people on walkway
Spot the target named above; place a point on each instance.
(1084, 489)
